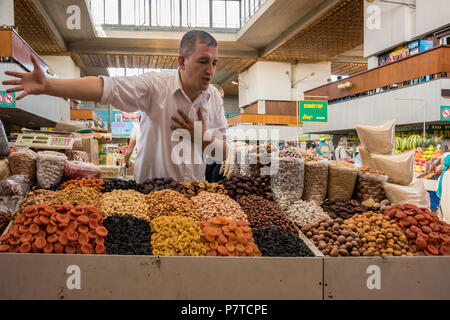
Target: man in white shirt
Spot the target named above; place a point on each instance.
(340, 153)
(169, 101)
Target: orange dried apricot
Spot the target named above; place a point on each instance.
(211, 253)
(240, 248)
(230, 247)
(34, 228)
(222, 250)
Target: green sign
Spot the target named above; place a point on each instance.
(313, 111)
(7, 100)
(445, 113)
(326, 137)
(304, 137)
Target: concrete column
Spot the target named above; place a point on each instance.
(372, 62)
(63, 66)
(7, 12)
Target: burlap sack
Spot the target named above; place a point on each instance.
(378, 139)
(414, 193)
(399, 167)
(366, 158)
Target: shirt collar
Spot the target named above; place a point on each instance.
(177, 86)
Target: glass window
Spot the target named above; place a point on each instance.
(112, 12)
(218, 14)
(232, 14)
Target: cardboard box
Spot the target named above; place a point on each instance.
(90, 146)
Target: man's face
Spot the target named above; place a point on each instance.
(201, 66)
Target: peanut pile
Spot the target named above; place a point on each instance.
(125, 202)
(209, 205)
(170, 203)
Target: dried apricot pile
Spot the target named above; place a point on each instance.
(84, 182)
(224, 237)
(176, 236)
(56, 229)
(427, 235)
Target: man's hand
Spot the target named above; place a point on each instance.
(29, 82)
(184, 122)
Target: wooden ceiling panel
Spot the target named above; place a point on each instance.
(34, 30)
(339, 30)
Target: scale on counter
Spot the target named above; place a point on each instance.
(44, 141)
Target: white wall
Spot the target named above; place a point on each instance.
(263, 133)
(302, 72)
(7, 12)
(397, 25)
(231, 104)
(372, 62)
(375, 109)
(431, 15)
(63, 66)
(265, 81)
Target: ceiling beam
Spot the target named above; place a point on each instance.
(350, 59)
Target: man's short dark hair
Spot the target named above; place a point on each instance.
(310, 145)
(190, 38)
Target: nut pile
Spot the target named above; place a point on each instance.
(264, 213)
(123, 202)
(427, 235)
(16, 185)
(341, 180)
(77, 195)
(127, 235)
(208, 205)
(23, 163)
(176, 236)
(379, 235)
(343, 209)
(316, 180)
(303, 213)
(290, 152)
(238, 186)
(259, 169)
(76, 155)
(275, 242)
(335, 239)
(84, 182)
(287, 181)
(193, 188)
(158, 184)
(170, 203)
(224, 237)
(39, 196)
(56, 229)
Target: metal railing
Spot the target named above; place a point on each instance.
(221, 14)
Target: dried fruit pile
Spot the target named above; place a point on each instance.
(193, 188)
(127, 235)
(56, 229)
(84, 182)
(124, 202)
(427, 235)
(77, 195)
(176, 236)
(39, 196)
(224, 237)
(343, 209)
(275, 242)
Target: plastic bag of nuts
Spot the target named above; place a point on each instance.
(370, 186)
(5, 171)
(316, 181)
(50, 168)
(23, 162)
(16, 185)
(341, 180)
(287, 180)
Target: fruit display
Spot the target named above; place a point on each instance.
(225, 237)
(56, 229)
(275, 242)
(426, 234)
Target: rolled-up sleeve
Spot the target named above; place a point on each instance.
(129, 94)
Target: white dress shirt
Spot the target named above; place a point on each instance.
(136, 135)
(159, 95)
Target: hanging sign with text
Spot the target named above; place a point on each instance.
(313, 111)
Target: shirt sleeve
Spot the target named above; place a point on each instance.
(129, 94)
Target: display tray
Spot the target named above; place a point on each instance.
(374, 278)
(63, 276)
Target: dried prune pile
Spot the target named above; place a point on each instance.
(275, 242)
(127, 235)
(158, 184)
(118, 184)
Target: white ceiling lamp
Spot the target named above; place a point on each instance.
(240, 83)
(411, 5)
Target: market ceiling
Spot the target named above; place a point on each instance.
(300, 31)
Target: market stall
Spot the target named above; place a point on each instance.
(283, 224)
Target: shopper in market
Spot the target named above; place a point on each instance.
(311, 148)
(340, 153)
(134, 142)
(168, 100)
